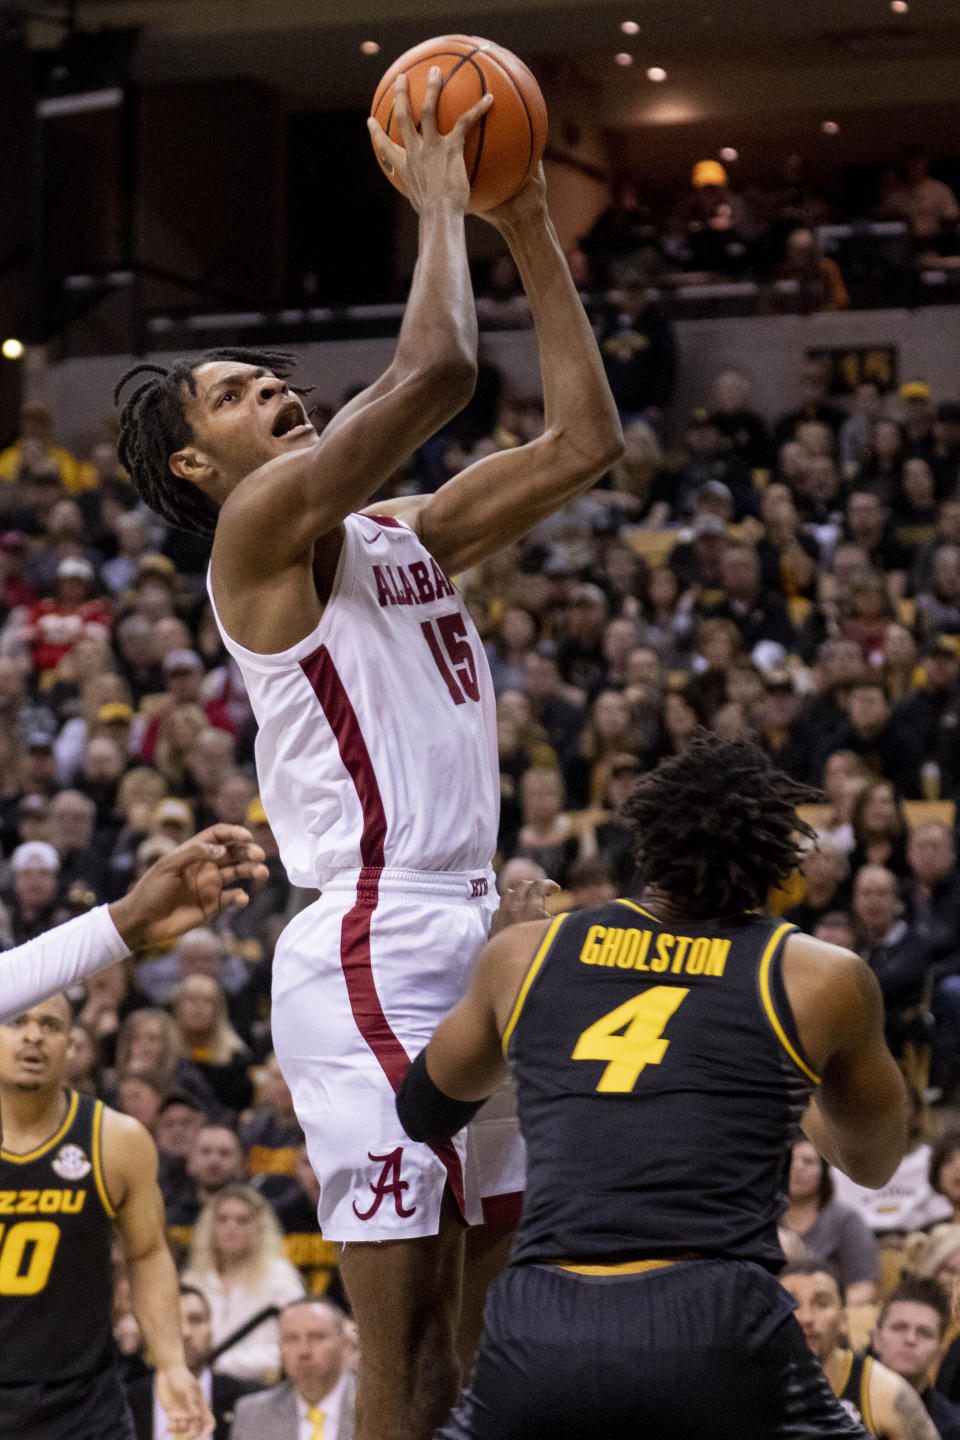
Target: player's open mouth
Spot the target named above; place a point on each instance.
(289, 420)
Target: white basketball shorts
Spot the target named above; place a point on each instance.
(361, 979)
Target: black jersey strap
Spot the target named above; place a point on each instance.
(425, 1112)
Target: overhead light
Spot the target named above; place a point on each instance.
(623, 58)
(630, 27)
(370, 47)
(656, 73)
(830, 127)
(728, 154)
(899, 7)
(12, 349)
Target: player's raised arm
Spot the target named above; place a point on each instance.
(857, 1118)
(273, 518)
(500, 498)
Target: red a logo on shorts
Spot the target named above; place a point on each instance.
(389, 1183)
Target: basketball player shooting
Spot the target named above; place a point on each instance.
(376, 749)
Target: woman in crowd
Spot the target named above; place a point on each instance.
(150, 1042)
(210, 1041)
(609, 731)
(879, 829)
(900, 657)
(546, 835)
(515, 638)
(833, 1233)
(844, 777)
(84, 1067)
(667, 622)
(719, 646)
(945, 1171)
(237, 1260)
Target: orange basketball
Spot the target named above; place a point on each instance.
(507, 143)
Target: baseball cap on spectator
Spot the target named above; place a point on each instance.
(172, 812)
(915, 390)
(941, 645)
(74, 568)
(12, 540)
(180, 660)
(708, 172)
(256, 815)
(34, 855)
(769, 655)
(778, 680)
(118, 712)
(159, 565)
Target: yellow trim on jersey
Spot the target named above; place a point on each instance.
(97, 1165)
(866, 1413)
(639, 908)
(839, 1388)
(629, 1267)
(530, 976)
(47, 1144)
(772, 1015)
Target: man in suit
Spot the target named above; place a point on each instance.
(316, 1401)
(221, 1391)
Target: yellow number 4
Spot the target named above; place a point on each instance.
(641, 1043)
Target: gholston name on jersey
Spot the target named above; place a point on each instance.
(414, 584)
(630, 949)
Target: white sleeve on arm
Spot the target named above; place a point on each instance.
(58, 958)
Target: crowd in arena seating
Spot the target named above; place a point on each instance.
(805, 244)
(795, 578)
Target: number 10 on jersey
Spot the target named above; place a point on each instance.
(450, 648)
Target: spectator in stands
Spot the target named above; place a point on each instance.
(84, 1070)
(54, 626)
(832, 1233)
(15, 589)
(945, 1180)
(877, 818)
(222, 1391)
(296, 1210)
(214, 1161)
(918, 416)
(757, 613)
(545, 835)
(945, 457)
(210, 1041)
(925, 721)
(580, 656)
(35, 868)
(508, 651)
(319, 1390)
(735, 416)
(35, 448)
(914, 518)
(72, 816)
(907, 1339)
(818, 276)
(927, 205)
(236, 1261)
(858, 433)
(868, 526)
(639, 352)
(137, 657)
(938, 607)
(178, 1122)
(710, 457)
(609, 837)
(271, 1134)
(897, 953)
(716, 222)
(826, 880)
(150, 1040)
(667, 623)
(619, 235)
(881, 458)
(814, 405)
(899, 668)
(788, 554)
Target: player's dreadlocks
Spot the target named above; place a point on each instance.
(153, 426)
(716, 826)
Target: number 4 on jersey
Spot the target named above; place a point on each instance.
(641, 1044)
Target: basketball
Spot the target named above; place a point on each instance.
(507, 143)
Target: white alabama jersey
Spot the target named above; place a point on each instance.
(377, 732)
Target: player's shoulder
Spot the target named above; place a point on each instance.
(898, 1411)
(125, 1143)
(833, 994)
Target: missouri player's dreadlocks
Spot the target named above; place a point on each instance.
(716, 826)
(153, 426)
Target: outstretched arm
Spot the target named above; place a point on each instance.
(501, 498)
(430, 378)
(186, 888)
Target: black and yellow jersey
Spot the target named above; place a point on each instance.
(853, 1391)
(56, 1278)
(660, 1082)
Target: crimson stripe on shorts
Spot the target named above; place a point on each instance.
(390, 520)
(355, 957)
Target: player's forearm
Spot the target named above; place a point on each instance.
(578, 405)
(57, 959)
(156, 1304)
(439, 330)
(869, 1151)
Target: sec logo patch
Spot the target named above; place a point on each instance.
(71, 1163)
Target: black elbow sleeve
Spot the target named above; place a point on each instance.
(425, 1112)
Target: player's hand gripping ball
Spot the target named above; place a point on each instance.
(505, 146)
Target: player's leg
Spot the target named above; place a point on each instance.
(405, 1297)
